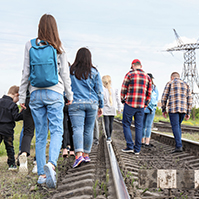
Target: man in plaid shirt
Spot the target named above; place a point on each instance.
(179, 105)
(135, 94)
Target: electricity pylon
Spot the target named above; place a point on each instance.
(189, 73)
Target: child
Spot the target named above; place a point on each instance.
(111, 102)
(9, 113)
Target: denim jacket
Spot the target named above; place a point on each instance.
(88, 90)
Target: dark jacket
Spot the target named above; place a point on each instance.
(9, 113)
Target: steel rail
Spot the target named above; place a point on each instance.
(120, 187)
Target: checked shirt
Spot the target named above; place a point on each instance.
(178, 94)
(136, 89)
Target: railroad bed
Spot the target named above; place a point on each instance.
(95, 179)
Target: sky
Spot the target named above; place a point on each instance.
(116, 32)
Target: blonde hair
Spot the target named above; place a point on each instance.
(106, 80)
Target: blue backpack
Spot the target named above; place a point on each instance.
(43, 65)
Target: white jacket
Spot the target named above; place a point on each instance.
(108, 109)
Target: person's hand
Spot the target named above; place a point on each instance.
(69, 102)
(187, 117)
(22, 106)
(100, 112)
(164, 114)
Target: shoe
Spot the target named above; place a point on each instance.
(41, 180)
(34, 170)
(136, 153)
(87, 159)
(148, 145)
(127, 150)
(109, 139)
(72, 153)
(12, 167)
(143, 145)
(78, 161)
(51, 180)
(177, 150)
(23, 168)
(65, 153)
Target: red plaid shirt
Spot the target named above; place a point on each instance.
(136, 89)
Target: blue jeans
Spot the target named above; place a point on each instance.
(82, 117)
(47, 111)
(176, 120)
(147, 123)
(138, 114)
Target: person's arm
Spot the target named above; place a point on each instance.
(189, 103)
(64, 73)
(25, 75)
(124, 88)
(148, 93)
(99, 90)
(118, 101)
(164, 99)
(16, 114)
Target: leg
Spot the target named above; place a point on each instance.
(54, 103)
(111, 118)
(77, 116)
(28, 132)
(138, 128)
(96, 132)
(144, 128)
(149, 122)
(175, 121)
(39, 114)
(128, 113)
(91, 112)
(8, 141)
(106, 124)
(20, 140)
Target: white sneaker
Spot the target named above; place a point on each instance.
(23, 168)
(34, 170)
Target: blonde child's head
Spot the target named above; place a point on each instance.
(106, 80)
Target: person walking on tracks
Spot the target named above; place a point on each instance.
(111, 104)
(46, 69)
(178, 94)
(149, 114)
(135, 94)
(88, 100)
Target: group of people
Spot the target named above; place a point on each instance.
(140, 96)
(79, 95)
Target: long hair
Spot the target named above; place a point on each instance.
(82, 65)
(48, 32)
(106, 80)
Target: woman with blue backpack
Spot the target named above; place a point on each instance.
(149, 114)
(46, 75)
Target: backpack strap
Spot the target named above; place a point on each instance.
(33, 42)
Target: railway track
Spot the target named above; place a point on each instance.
(97, 179)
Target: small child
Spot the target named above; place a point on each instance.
(9, 113)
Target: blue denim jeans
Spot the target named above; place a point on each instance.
(82, 117)
(138, 114)
(176, 120)
(147, 123)
(47, 111)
